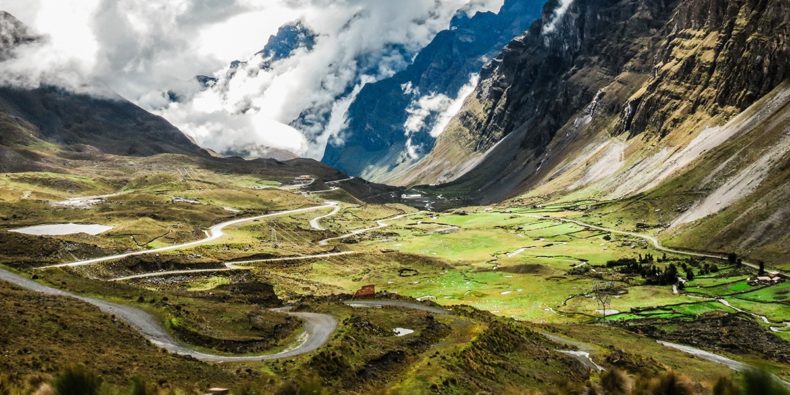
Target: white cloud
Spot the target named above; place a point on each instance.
(559, 12)
(139, 48)
(434, 111)
(455, 106)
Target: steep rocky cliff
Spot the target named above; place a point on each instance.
(627, 68)
(395, 121)
(615, 99)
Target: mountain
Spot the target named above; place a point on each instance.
(288, 39)
(682, 101)
(47, 128)
(112, 125)
(394, 122)
(12, 33)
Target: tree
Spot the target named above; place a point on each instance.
(602, 292)
(732, 258)
(689, 274)
(761, 271)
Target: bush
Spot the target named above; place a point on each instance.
(760, 381)
(140, 387)
(77, 381)
(307, 386)
(725, 386)
(668, 383)
(615, 382)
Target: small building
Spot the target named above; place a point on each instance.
(764, 280)
(411, 196)
(365, 291)
(218, 391)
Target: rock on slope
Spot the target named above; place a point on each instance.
(618, 98)
(376, 139)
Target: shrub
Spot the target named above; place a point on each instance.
(669, 383)
(77, 381)
(760, 381)
(615, 382)
(725, 386)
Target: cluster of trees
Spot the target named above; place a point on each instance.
(644, 267)
(708, 268)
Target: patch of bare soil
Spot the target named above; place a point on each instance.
(527, 268)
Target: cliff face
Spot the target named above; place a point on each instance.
(653, 71)
(395, 121)
(717, 56)
(622, 99)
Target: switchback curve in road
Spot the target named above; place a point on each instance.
(318, 327)
(315, 223)
(214, 233)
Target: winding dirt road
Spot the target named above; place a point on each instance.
(382, 223)
(230, 266)
(315, 223)
(317, 327)
(652, 240)
(214, 233)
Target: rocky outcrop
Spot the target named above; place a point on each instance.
(718, 56)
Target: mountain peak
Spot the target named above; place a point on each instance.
(289, 38)
(13, 33)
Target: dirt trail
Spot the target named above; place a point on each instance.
(318, 327)
(654, 241)
(232, 266)
(382, 223)
(214, 233)
(315, 223)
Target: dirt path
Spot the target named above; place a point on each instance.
(335, 182)
(709, 356)
(377, 303)
(318, 327)
(315, 223)
(233, 266)
(214, 233)
(652, 240)
(382, 223)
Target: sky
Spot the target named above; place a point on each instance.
(140, 49)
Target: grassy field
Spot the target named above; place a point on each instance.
(508, 262)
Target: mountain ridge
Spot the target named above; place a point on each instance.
(374, 140)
